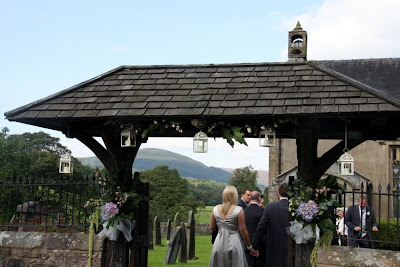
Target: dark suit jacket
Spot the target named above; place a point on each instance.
(252, 215)
(352, 219)
(242, 204)
(274, 221)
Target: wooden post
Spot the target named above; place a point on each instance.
(307, 145)
(139, 244)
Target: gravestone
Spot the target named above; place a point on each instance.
(183, 249)
(29, 209)
(191, 235)
(157, 232)
(168, 229)
(150, 234)
(177, 221)
(173, 246)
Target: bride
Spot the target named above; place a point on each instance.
(228, 248)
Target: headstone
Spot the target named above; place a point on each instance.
(150, 233)
(177, 221)
(173, 246)
(191, 235)
(183, 249)
(157, 232)
(168, 229)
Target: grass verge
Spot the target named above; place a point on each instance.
(203, 251)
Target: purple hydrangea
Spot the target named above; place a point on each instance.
(307, 210)
(109, 210)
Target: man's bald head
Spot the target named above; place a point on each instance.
(255, 196)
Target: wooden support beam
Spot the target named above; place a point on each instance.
(307, 133)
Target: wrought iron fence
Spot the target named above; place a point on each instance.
(44, 204)
(386, 205)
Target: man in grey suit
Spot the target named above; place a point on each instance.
(361, 222)
(273, 223)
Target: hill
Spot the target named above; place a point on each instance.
(149, 158)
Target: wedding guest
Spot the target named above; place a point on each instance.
(361, 222)
(273, 223)
(245, 199)
(253, 214)
(341, 227)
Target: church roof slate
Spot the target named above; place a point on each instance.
(267, 89)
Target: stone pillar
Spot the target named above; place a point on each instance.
(191, 235)
(150, 234)
(177, 221)
(157, 232)
(183, 248)
(168, 229)
(173, 246)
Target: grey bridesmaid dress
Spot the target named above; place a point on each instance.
(228, 248)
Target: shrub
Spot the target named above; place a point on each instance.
(385, 235)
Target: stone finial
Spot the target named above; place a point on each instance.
(298, 27)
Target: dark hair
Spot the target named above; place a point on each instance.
(283, 190)
(244, 191)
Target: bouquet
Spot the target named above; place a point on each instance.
(308, 205)
(114, 208)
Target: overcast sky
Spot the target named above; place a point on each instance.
(48, 46)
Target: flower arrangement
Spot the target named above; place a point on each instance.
(114, 210)
(308, 205)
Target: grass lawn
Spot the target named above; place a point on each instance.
(203, 215)
(203, 251)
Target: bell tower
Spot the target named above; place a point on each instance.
(297, 48)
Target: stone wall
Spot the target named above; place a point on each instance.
(34, 249)
(201, 229)
(350, 256)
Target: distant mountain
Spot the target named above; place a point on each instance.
(149, 158)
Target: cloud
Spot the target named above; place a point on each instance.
(343, 29)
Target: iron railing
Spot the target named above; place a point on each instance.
(44, 204)
(386, 206)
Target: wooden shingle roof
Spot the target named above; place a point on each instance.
(224, 90)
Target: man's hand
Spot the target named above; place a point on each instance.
(255, 253)
(357, 228)
(375, 229)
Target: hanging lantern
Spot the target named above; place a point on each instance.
(267, 137)
(200, 143)
(346, 164)
(128, 137)
(66, 164)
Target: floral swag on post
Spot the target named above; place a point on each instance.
(114, 210)
(308, 206)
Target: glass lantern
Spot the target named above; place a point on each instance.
(200, 143)
(346, 164)
(267, 137)
(128, 137)
(66, 164)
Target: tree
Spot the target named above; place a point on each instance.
(245, 178)
(169, 193)
(207, 191)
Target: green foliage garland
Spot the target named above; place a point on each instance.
(325, 241)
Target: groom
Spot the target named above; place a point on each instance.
(361, 220)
